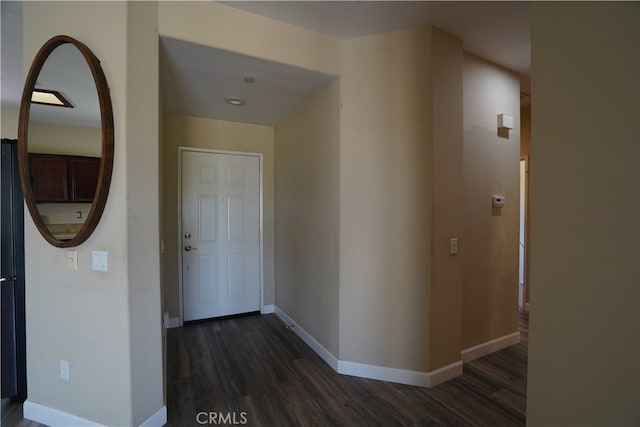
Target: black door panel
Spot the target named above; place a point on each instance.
(13, 357)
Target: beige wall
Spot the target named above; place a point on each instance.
(9, 123)
(82, 316)
(447, 136)
(63, 213)
(584, 332)
(224, 27)
(143, 210)
(184, 131)
(307, 215)
(385, 200)
(104, 324)
(55, 138)
(491, 166)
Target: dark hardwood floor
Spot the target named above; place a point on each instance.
(258, 369)
(12, 415)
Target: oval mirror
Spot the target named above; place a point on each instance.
(65, 141)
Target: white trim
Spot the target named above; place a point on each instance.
(325, 354)
(174, 322)
(180, 233)
(170, 322)
(53, 417)
(156, 420)
(382, 373)
(179, 207)
(445, 373)
(268, 309)
(477, 351)
(402, 376)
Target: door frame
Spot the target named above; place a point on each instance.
(525, 287)
(181, 150)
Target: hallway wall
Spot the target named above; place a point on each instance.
(585, 205)
(385, 199)
(491, 166)
(106, 324)
(307, 215)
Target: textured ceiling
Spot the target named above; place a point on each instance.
(497, 31)
(196, 79)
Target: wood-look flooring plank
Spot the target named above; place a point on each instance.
(258, 365)
(12, 415)
(425, 409)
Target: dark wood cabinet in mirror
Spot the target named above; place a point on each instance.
(65, 141)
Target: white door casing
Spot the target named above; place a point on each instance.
(220, 234)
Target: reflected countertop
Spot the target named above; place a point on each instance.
(64, 231)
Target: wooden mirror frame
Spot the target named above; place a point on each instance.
(106, 160)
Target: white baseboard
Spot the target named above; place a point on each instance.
(53, 417)
(156, 420)
(440, 375)
(325, 354)
(174, 322)
(402, 376)
(477, 351)
(267, 309)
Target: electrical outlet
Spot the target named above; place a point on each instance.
(72, 260)
(64, 370)
(79, 214)
(453, 245)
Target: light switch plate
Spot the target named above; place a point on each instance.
(99, 260)
(72, 260)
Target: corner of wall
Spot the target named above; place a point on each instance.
(446, 291)
(143, 207)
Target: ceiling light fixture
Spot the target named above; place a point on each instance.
(234, 100)
(50, 97)
(249, 79)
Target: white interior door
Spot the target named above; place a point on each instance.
(220, 234)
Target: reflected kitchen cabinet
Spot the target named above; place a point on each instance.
(83, 176)
(59, 178)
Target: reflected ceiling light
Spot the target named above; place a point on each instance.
(49, 97)
(234, 100)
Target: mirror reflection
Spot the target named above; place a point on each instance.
(65, 142)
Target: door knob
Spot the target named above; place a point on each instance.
(189, 248)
